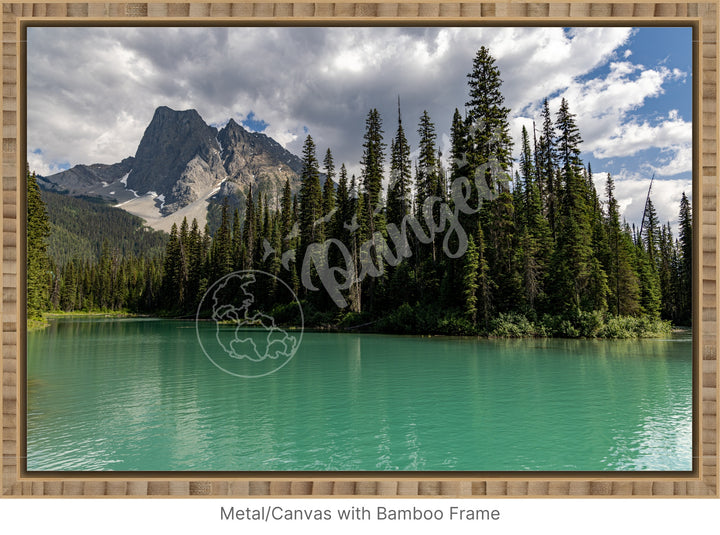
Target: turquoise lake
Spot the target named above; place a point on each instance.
(140, 394)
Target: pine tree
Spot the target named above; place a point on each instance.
(399, 202)
(459, 147)
(470, 282)
(171, 267)
(487, 118)
(249, 232)
(310, 200)
(503, 252)
(527, 168)
(286, 211)
(328, 194)
(38, 230)
(546, 167)
(623, 285)
(372, 176)
(568, 140)
(372, 170)
(651, 233)
(344, 207)
(222, 246)
(685, 263)
(427, 171)
(573, 260)
(236, 241)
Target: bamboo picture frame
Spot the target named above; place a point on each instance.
(701, 482)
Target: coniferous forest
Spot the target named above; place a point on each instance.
(466, 243)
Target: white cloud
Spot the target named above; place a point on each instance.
(631, 192)
(328, 79)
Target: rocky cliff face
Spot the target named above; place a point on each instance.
(178, 157)
(181, 161)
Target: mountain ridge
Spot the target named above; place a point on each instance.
(182, 164)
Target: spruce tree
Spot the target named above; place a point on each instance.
(623, 285)
(487, 118)
(372, 176)
(427, 171)
(567, 144)
(38, 230)
(328, 194)
(372, 163)
(286, 211)
(685, 263)
(546, 167)
(249, 232)
(470, 282)
(399, 201)
(222, 246)
(310, 201)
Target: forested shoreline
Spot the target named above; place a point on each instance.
(543, 255)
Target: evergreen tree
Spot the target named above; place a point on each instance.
(527, 167)
(344, 207)
(249, 232)
(470, 282)
(651, 233)
(573, 261)
(399, 191)
(568, 140)
(372, 170)
(171, 268)
(328, 195)
(487, 118)
(286, 210)
(546, 167)
(426, 180)
(623, 286)
(310, 200)
(503, 252)
(222, 246)
(372, 175)
(38, 230)
(236, 254)
(685, 261)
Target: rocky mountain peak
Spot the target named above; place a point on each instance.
(184, 165)
(170, 142)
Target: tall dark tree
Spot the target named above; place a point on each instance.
(685, 263)
(487, 118)
(372, 163)
(249, 232)
(623, 285)
(311, 209)
(399, 201)
(426, 181)
(568, 141)
(546, 167)
(222, 246)
(38, 230)
(651, 233)
(372, 169)
(328, 194)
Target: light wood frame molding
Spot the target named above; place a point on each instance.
(702, 16)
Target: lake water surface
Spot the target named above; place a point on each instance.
(139, 394)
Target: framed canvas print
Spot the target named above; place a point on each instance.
(356, 249)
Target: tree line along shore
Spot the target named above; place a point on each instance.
(544, 254)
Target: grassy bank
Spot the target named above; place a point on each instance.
(421, 320)
(37, 324)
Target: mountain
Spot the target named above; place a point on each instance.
(181, 166)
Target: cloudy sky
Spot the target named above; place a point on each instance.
(92, 91)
